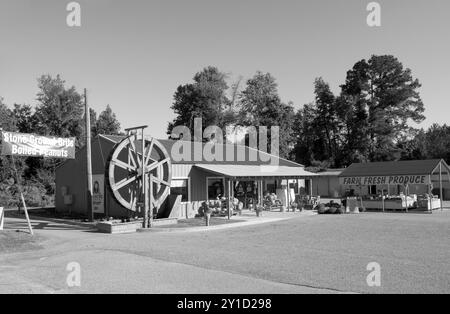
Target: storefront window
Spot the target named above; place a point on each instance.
(180, 187)
(216, 188)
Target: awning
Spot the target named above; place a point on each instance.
(263, 171)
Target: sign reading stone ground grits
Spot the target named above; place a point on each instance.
(384, 180)
(21, 144)
(98, 193)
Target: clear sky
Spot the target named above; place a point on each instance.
(133, 54)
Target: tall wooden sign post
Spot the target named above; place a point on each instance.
(19, 187)
(142, 171)
(88, 158)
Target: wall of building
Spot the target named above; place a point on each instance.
(327, 186)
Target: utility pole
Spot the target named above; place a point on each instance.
(88, 158)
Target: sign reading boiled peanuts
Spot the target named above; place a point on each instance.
(21, 144)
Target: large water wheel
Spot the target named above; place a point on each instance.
(128, 167)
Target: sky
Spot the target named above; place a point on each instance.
(133, 54)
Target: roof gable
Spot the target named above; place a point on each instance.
(405, 167)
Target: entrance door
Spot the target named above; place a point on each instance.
(215, 188)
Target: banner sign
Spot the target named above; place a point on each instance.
(21, 144)
(98, 193)
(385, 180)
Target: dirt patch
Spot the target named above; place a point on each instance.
(12, 241)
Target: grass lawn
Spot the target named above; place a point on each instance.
(12, 241)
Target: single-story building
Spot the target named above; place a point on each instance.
(192, 181)
(422, 183)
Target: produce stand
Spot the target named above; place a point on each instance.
(374, 183)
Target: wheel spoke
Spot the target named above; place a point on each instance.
(156, 164)
(149, 152)
(124, 182)
(133, 147)
(161, 181)
(123, 165)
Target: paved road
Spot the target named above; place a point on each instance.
(301, 255)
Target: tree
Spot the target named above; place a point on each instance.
(7, 119)
(260, 105)
(60, 110)
(433, 143)
(25, 119)
(385, 98)
(107, 123)
(305, 135)
(205, 98)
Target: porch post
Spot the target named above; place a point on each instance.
(261, 192)
(287, 194)
(440, 182)
(310, 187)
(406, 196)
(229, 198)
(430, 193)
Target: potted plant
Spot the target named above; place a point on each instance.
(258, 210)
(293, 206)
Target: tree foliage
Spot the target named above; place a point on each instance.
(59, 112)
(368, 121)
(107, 123)
(205, 98)
(260, 105)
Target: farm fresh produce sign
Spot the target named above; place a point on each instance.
(21, 144)
(383, 180)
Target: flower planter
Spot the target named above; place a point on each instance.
(115, 227)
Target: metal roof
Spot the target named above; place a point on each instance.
(244, 171)
(330, 172)
(389, 168)
(168, 144)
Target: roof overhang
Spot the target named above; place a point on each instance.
(256, 172)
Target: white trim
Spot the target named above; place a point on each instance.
(214, 177)
(189, 187)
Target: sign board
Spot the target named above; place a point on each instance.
(98, 193)
(22, 144)
(385, 180)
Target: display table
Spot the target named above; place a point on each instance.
(425, 203)
(394, 204)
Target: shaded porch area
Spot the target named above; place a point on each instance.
(251, 185)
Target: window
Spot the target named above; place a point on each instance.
(216, 188)
(180, 187)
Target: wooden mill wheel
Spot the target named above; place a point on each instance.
(125, 172)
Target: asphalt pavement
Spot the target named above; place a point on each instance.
(303, 254)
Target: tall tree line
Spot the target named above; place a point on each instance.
(59, 111)
(256, 104)
(371, 119)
